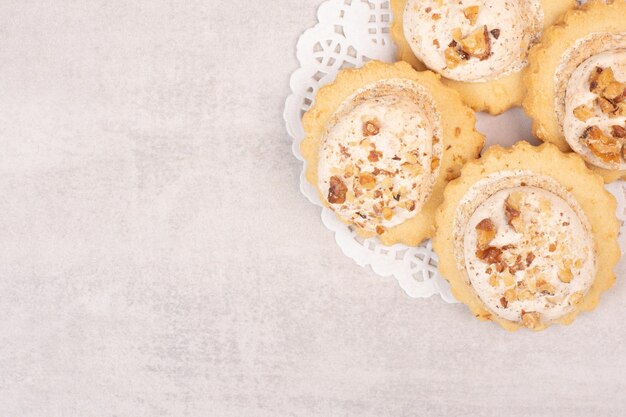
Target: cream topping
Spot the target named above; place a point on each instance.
(432, 27)
(380, 155)
(538, 256)
(580, 98)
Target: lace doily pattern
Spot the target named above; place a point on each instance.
(350, 33)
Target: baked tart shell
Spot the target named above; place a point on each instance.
(568, 170)
(461, 142)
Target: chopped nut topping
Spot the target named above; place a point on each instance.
(453, 57)
(374, 156)
(611, 93)
(606, 106)
(511, 212)
(565, 275)
(545, 287)
(434, 164)
(478, 44)
(575, 298)
(490, 255)
(510, 295)
(371, 128)
(485, 232)
(457, 35)
(413, 169)
(409, 205)
(411, 158)
(584, 113)
(493, 280)
(337, 191)
(349, 172)
(616, 92)
(508, 279)
(503, 302)
(618, 132)
(380, 230)
(600, 80)
(367, 181)
(387, 213)
(525, 295)
(471, 13)
(530, 320)
(530, 258)
(604, 147)
(495, 33)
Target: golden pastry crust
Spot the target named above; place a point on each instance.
(495, 96)
(569, 171)
(461, 142)
(545, 58)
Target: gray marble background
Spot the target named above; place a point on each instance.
(157, 259)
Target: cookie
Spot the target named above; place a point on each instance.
(527, 237)
(381, 143)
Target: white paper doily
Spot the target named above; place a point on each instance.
(350, 33)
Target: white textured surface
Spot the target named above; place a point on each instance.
(156, 257)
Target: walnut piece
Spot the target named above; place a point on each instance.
(412, 169)
(512, 212)
(510, 296)
(374, 156)
(600, 79)
(545, 287)
(485, 232)
(371, 128)
(618, 132)
(584, 113)
(434, 164)
(490, 255)
(611, 93)
(604, 147)
(471, 14)
(337, 191)
(530, 320)
(367, 181)
(606, 106)
(478, 44)
(387, 213)
(616, 92)
(575, 298)
(453, 57)
(565, 275)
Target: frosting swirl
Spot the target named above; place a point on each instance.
(475, 40)
(525, 245)
(380, 154)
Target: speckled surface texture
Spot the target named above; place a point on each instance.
(157, 259)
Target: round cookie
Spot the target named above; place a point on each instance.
(381, 143)
(527, 237)
(479, 46)
(577, 86)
